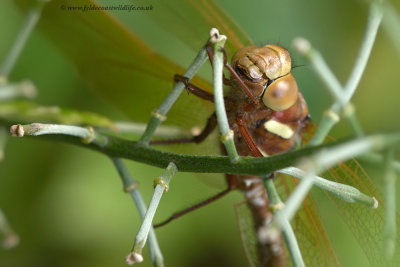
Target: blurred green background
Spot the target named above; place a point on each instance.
(66, 203)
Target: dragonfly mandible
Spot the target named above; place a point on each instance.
(115, 62)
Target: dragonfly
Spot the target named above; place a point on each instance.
(266, 118)
(116, 62)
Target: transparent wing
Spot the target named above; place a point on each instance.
(247, 233)
(124, 69)
(365, 223)
(311, 235)
(114, 61)
(308, 227)
(129, 74)
(192, 20)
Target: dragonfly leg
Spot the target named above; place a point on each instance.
(195, 207)
(247, 137)
(210, 126)
(232, 72)
(191, 88)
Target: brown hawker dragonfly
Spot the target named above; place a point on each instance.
(123, 62)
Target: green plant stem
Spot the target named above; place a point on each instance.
(159, 115)
(121, 148)
(391, 23)
(30, 22)
(287, 230)
(344, 192)
(326, 75)
(342, 99)
(379, 159)
(320, 67)
(25, 89)
(161, 131)
(24, 111)
(3, 141)
(87, 134)
(130, 186)
(354, 123)
(161, 186)
(390, 228)
(218, 63)
(9, 238)
(322, 160)
(374, 20)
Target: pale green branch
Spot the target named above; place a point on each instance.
(391, 23)
(130, 186)
(342, 96)
(117, 147)
(3, 141)
(30, 22)
(24, 89)
(218, 42)
(389, 228)
(159, 115)
(324, 159)
(161, 131)
(344, 192)
(276, 204)
(9, 238)
(161, 186)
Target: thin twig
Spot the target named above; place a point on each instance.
(333, 85)
(24, 89)
(344, 192)
(332, 116)
(391, 23)
(379, 159)
(389, 228)
(117, 147)
(287, 230)
(161, 131)
(161, 186)
(130, 186)
(320, 162)
(30, 22)
(10, 238)
(218, 42)
(159, 115)
(3, 140)
(87, 134)
(374, 20)
(26, 111)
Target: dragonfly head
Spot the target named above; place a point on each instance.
(266, 71)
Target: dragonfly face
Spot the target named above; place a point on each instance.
(279, 118)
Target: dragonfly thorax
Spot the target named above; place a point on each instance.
(266, 72)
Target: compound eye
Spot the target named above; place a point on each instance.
(281, 94)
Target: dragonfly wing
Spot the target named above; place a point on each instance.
(308, 227)
(192, 20)
(248, 236)
(123, 69)
(365, 223)
(114, 61)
